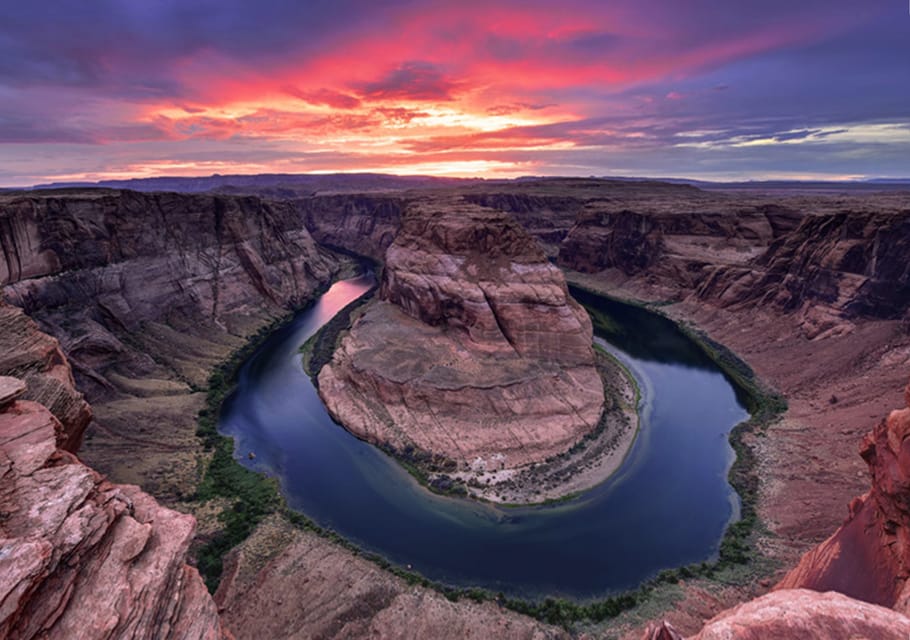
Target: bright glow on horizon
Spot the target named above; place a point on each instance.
(710, 90)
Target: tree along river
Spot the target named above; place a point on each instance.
(667, 506)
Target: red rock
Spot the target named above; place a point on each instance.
(869, 556)
(801, 614)
(661, 631)
(475, 352)
(35, 357)
(10, 390)
(83, 558)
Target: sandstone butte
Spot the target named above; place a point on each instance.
(474, 352)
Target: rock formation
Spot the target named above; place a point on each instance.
(81, 557)
(826, 267)
(312, 588)
(362, 224)
(475, 351)
(798, 615)
(869, 556)
(674, 244)
(37, 358)
(146, 293)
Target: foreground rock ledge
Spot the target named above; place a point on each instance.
(798, 614)
(83, 558)
(475, 352)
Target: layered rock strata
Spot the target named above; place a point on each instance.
(869, 556)
(146, 294)
(81, 557)
(362, 224)
(36, 357)
(475, 352)
(826, 267)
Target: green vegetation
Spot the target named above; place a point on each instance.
(254, 496)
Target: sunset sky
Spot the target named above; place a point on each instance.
(714, 89)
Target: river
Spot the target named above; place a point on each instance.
(667, 506)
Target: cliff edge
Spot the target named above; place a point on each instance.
(474, 353)
(81, 557)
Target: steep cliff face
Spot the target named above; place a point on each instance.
(36, 357)
(144, 256)
(676, 244)
(81, 557)
(475, 351)
(869, 556)
(824, 267)
(363, 224)
(856, 264)
(146, 293)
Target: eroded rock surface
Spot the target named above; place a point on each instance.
(363, 224)
(826, 266)
(146, 294)
(35, 357)
(869, 556)
(475, 351)
(311, 588)
(798, 614)
(83, 558)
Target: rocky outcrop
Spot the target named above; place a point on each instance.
(36, 357)
(869, 556)
(83, 558)
(146, 294)
(824, 267)
(475, 351)
(797, 615)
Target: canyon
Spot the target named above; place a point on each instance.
(474, 353)
(137, 297)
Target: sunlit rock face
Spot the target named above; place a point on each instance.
(474, 351)
(869, 556)
(81, 557)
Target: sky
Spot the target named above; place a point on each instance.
(711, 89)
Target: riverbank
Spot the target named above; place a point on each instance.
(592, 461)
(799, 470)
(259, 490)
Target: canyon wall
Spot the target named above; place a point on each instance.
(147, 293)
(475, 352)
(81, 557)
(868, 558)
(825, 267)
(362, 224)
